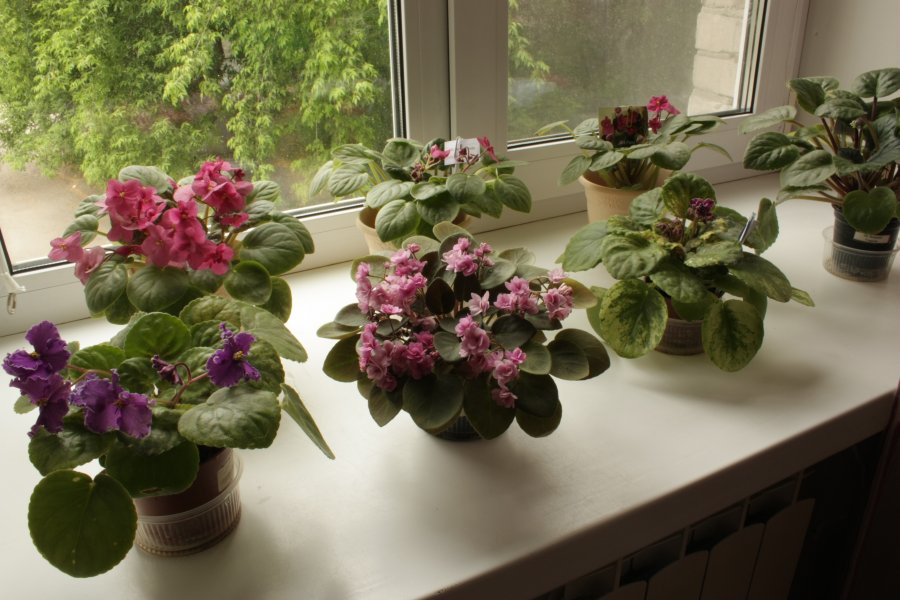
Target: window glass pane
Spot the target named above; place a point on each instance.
(88, 87)
(604, 53)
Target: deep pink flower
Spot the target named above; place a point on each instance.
(67, 248)
(131, 207)
(486, 145)
(157, 246)
(212, 256)
(438, 154)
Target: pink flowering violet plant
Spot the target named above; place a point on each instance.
(450, 329)
(174, 241)
(148, 404)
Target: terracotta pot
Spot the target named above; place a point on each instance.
(603, 201)
(197, 518)
(366, 224)
(681, 337)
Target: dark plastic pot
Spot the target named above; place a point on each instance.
(859, 256)
(460, 431)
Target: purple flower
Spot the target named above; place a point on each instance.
(108, 406)
(701, 209)
(51, 395)
(49, 355)
(228, 366)
(167, 371)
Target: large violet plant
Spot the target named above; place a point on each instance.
(144, 404)
(442, 330)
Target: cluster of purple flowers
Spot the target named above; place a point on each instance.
(701, 210)
(37, 374)
(107, 406)
(408, 349)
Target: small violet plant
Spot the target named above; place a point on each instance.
(460, 326)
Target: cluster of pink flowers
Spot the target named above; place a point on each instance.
(657, 105)
(408, 349)
(167, 233)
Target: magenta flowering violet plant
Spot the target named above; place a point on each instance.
(447, 328)
(626, 146)
(148, 405)
(171, 242)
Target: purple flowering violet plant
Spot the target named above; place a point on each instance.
(451, 328)
(144, 404)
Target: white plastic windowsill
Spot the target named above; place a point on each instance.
(648, 447)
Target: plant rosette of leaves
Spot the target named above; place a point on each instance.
(173, 242)
(848, 157)
(626, 149)
(141, 404)
(677, 244)
(445, 327)
(414, 186)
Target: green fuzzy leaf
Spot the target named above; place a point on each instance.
(249, 281)
(764, 234)
(769, 118)
(537, 358)
(810, 93)
(465, 187)
(196, 359)
(299, 229)
(105, 285)
(83, 527)
(23, 405)
(630, 256)
(347, 179)
(401, 153)
(574, 169)
(275, 246)
(387, 191)
(396, 220)
(211, 308)
(487, 417)
(235, 417)
(605, 160)
(150, 176)
(536, 394)
(280, 300)
(205, 280)
(845, 109)
(771, 151)
(383, 406)
(426, 189)
(647, 208)
(723, 252)
(568, 361)
(632, 318)
(694, 311)
(266, 326)
(101, 357)
(802, 297)
(320, 179)
(592, 348)
(870, 212)
(671, 156)
(447, 345)
(582, 297)
(336, 331)
(153, 289)
(761, 275)
(259, 212)
(512, 331)
(143, 475)
(120, 311)
(87, 225)
(157, 333)
(810, 169)
(355, 153)
(164, 433)
(351, 316)
(439, 297)
(732, 334)
(294, 407)
(434, 401)
(264, 191)
(880, 83)
(342, 361)
(583, 249)
(71, 447)
(679, 282)
(513, 192)
(437, 209)
(266, 360)
(539, 426)
(501, 272)
(681, 188)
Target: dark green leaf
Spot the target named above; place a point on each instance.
(574, 169)
(513, 192)
(351, 316)
(870, 212)
(280, 300)
(681, 188)
(501, 272)
(592, 348)
(383, 406)
(342, 361)
(770, 151)
(536, 394)
(387, 191)
(630, 256)
(568, 360)
(274, 245)
(105, 285)
(434, 401)
(487, 417)
(679, 282)
(810, 93)
(142, 475)
(249, 281)
(71, 447)
(211, 308)
(722, 252)
(149, 176)
(153, 289)
(266, 326)
(880, 83)
(537, 358)
(437, 209)
(101, 357)
(764, 234)
(810, 169)
(539, 426)
(583, 249)
(769, 118)
(439, 297)
(235, 417)
(157, 333)
(761, 275)
(512, 331)
(336, 331)
(647, 208)
(347, 179)
(294, 407)
(396, 220)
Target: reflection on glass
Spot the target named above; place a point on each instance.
(595, 53)
(171, 84)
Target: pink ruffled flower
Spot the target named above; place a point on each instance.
(215, 257)
(88, 263)
(519, 299)
(479, 305)
(459, 260)
(558, 301)
(67, 248)
(363, 287)
(157, 246)
(473, 339)
(556, 275)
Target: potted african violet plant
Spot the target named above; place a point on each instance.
(848, 157)
(172, 242)
(624, 152)
(409, 187)
(677, 257)
(457, 336)
(160, 406)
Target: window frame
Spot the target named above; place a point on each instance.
(450, 88)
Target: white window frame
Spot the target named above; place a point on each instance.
(455, 83)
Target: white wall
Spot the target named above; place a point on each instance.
(847, 37)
